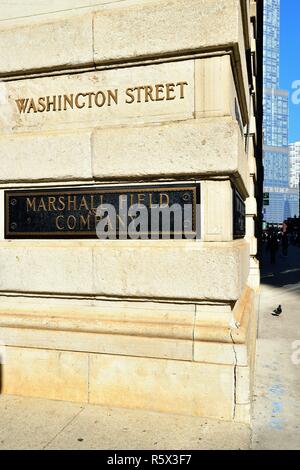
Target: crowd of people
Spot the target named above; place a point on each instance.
(277, 239)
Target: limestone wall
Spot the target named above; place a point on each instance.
(131, 92)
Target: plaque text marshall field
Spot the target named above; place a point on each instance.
(166, 211)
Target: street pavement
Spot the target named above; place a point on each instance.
(276, 410)
(31, 423)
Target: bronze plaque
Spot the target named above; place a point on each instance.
(123, 211)
(239, 215)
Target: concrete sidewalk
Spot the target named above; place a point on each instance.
(276, 414)
(31, 423)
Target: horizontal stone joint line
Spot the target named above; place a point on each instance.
(73, 9)
(119, 297)
(123, 355)
(89, 66)
(140, 61)
(220, 332)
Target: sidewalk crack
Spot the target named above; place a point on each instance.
(64, 427)
(234, 375)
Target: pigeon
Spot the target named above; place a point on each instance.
(277, 311)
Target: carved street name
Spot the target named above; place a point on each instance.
(101, 98)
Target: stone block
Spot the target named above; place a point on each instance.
(212, 315)
(164, 269)
(217, 218)
(242, 385)
(46, 157)
(202, 25)
(47, 43)
(161, 385)
(172, 270)
(253, 245)
(254, 274)
(43, 373)
(242, 413)
(250, 226)
(54, 267)
(251, 206)
(124, 96)
(214, 353)
(20, 9)
(215, 89)
(121, 344)
(198, 147)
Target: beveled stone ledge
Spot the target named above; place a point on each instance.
(193, 149)
(154, 323)
(131, 322)
(146, 332)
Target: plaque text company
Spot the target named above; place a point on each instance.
(150, 212)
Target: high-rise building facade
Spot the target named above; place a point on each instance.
(294, 164)
(275, 101)
(271, 43)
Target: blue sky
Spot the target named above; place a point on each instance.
(290, 59)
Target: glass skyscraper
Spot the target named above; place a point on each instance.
(294, 160)
(275, 122)
(271, 43)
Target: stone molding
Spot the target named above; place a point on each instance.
(100, 331)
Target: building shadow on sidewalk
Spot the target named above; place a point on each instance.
(286, 270)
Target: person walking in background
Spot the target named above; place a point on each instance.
(273, 246)
(285, 244)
